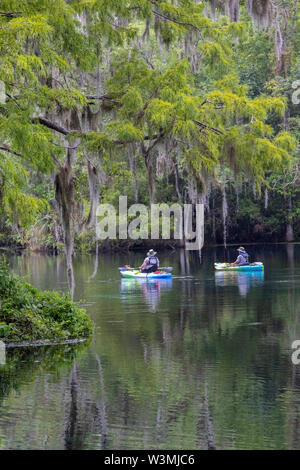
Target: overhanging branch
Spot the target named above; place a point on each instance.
(6, 148)
(10, 14)
(159, 14)
(56, 127)
(103, 98)
(213, 129)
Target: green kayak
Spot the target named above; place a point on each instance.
(248, 268)
(139, 275)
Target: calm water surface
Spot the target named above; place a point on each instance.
(201, 361)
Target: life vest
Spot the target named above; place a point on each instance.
(151, 264)
(245, 257)
(152, 261)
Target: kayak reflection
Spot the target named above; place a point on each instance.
(151, 289)
(244, 280)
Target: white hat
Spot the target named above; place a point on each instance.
(151, 253)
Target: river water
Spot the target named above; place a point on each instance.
(201, 361)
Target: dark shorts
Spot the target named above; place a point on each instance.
(150, 269)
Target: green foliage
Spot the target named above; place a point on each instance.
(85, 242)
(27, 314)
(128, 78)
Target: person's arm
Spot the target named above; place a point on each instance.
(236, 261)
(144, 264)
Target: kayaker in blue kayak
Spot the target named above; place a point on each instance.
(242, 259)
(151, 263)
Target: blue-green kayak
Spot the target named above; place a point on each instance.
(248, 267)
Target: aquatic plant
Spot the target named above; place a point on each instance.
(27, 314)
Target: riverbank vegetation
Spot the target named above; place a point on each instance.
(27, 314)
(161, 101)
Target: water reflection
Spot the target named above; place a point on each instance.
(244, 280)
(210, 369)
(151, 289)
(22, 364)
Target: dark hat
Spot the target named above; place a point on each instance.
(151, 253)
(241, 249)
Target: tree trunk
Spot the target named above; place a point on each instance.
(64, 195)
(289, 227)
(93, 178)
(213, 9)
(133, 168)
(224, 208)
(234, 10)
(213, 219)
(151, 178)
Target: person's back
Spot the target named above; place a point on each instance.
(243, 257)
(151, 263)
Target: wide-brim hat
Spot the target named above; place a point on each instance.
(241, 249)
(151, 253)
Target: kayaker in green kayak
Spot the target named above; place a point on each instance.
(151, 263)
(242, 259)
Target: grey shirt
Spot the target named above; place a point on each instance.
(243, 259)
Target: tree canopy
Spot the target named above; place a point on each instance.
(159, 100)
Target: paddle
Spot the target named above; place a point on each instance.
(136, 269)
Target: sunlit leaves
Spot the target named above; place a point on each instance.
(132, 101)
(19, 206)
(124, 131)
(54, 54)
(159, 112)
(214, 54)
